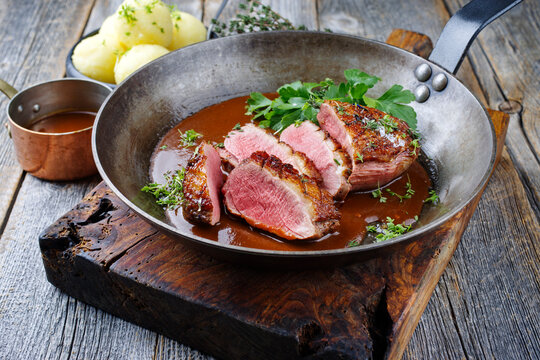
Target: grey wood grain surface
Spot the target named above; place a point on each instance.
(487, 302)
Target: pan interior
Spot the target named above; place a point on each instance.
(457, 135)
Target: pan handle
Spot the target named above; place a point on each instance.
(210, 33)
(7, 89)
(462, 29)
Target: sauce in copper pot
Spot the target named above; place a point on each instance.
(358, 210)
(63, 122)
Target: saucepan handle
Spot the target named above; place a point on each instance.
(209, 33)
(462, 29)
(7, 89)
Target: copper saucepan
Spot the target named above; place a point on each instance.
(457, 132)
(53, 156)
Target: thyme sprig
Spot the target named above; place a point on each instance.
(408, 194)
(254, 16)
(171, 194)
(189, 137)
(388, 230)
(433, 198)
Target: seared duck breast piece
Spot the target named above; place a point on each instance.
(275, 197)
(240, 144)
(202, 184)
(333, 163)
(381, 146)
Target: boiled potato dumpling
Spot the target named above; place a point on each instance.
(95, 59)
(143, 22)
(187, 29)
(108, 32)
(136, 57)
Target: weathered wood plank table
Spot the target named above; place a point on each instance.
(487, 303)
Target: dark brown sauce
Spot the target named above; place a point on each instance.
(63, 122)
(358, 210)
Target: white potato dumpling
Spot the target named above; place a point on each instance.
(135, 58)
(95, 59)
(187, 30)
(143, 22)
(108, 32)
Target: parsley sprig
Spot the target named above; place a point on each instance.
(299, 101)
(170, 194)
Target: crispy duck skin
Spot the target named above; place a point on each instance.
(202, 183)
(381, 146)
(274, 197)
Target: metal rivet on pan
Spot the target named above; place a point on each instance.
(421, 93)
(439, 82)
(20, 108)
(422, 72)
(36, 108)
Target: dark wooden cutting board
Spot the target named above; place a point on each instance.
(102, 253)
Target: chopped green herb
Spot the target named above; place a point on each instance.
(337, 162)
(371, 125)
(237, 126)
(163, 147)
(378, 194)
(353, 243)
(128, 13)
(359, 157)
(388, 230)
(220, 145)
(170, 194)
(433, 198)
(162, 30)
(189, 137)
(128, 33)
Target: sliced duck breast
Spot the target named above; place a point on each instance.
(380, 146)
(240, 144)
(202, 184)
(326, 154)
(274, 197)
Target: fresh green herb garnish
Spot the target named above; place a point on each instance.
(393, 102)
(163, 147)
(300, 101)
(220, 145)
(170, 194)
(433, 198)
(415, 144)
(388, 230)
(337, 162)
(353, 243)
(408, 194)
(237, 126)
(189, 137)
(254, 16)
(378, 194)
(128, 13)
(359, 157)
